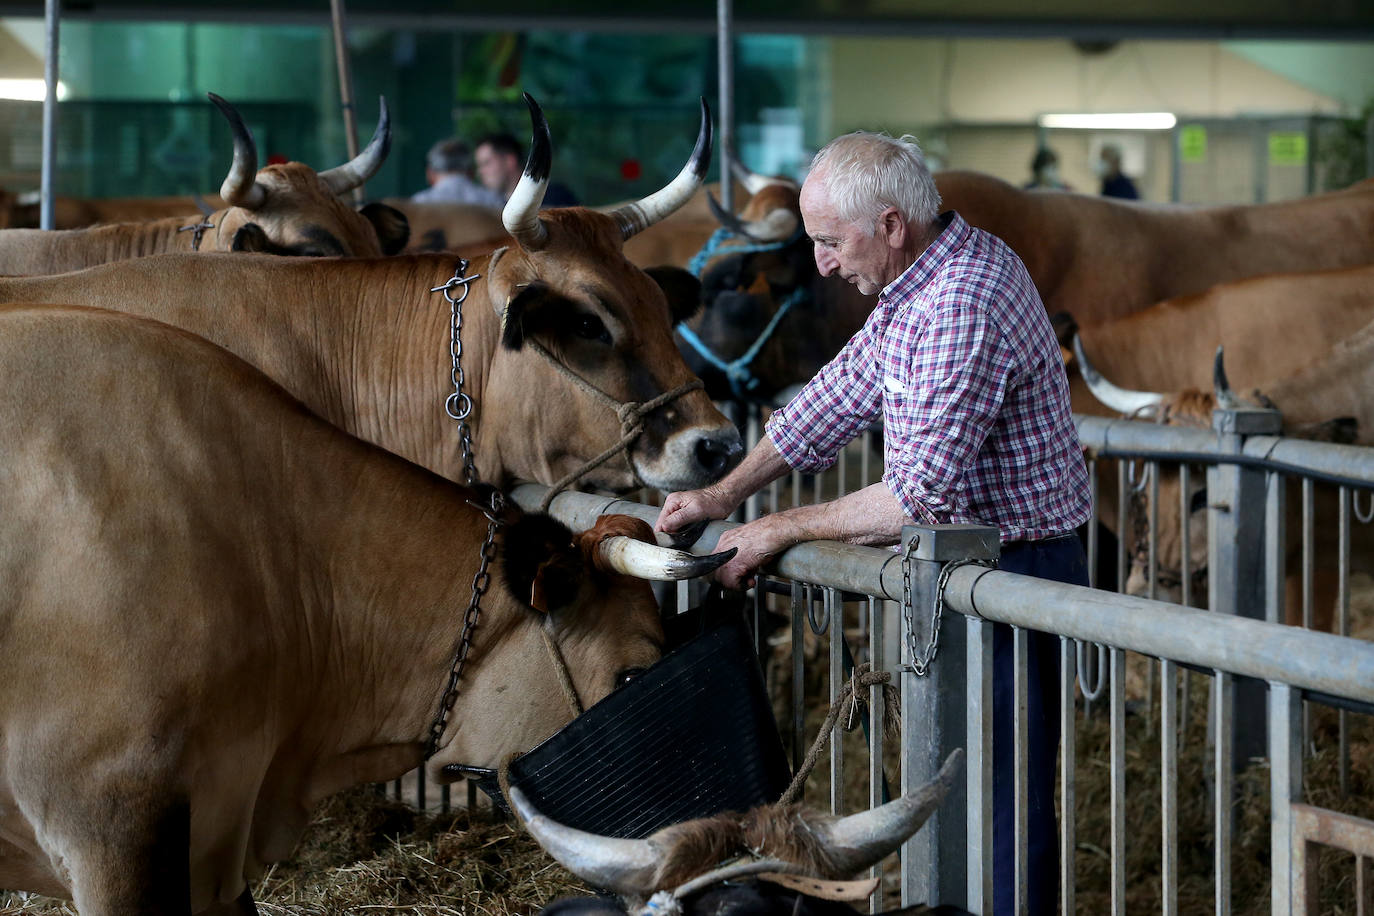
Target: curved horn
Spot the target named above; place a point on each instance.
(637, 216)
(1121, 400)
(859, 841)
(624, 866)
(240, 187)
(343, 178)
(777, 226)
(1221, 387)
(521, 215)
(752, 181)
(649, 561)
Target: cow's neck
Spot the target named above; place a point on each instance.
(35, 251)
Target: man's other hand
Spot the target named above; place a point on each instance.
(759, 543)
(684, 508)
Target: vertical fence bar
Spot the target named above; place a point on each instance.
(800, 596)
(866, 440)
(1168, 782)
(1223, 697)
(1123, 515)
(1308, 549)
(1068, 726)
(420, 788)
(834, 613)
(1021, 780)
(1093, 522)
(877, 722)
(1275, 545)
(47, 178)
(842, 466)
(1117, 720)
(1153, 469)
(753, 432)
(1185, 575)
(796, 489)
(1285, 787)
(978, 745)
(1343, 624)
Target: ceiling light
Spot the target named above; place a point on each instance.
(29, 90)
(1130, 120)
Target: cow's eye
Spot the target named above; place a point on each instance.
(1198, 502)
(624, 677)
(591, 328)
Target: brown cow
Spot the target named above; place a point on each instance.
(22, 211)
(464, 228)
(219, 609)
(366, 342)
(1099, 259)
(280, 209)
(1318, 372)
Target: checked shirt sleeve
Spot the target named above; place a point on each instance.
(959, 374)
(843, 400)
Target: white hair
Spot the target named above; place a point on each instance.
(865, 173)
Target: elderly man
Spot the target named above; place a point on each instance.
(960, 361)
(448, 169)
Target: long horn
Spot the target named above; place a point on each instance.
(777, 226)
(859, 841)
(663, 564)
(240, 187)
(636, 217)
(624, 866)
(343, 178)
(1221, 387)
(521, 216)
(752, 181)
(1121, 400)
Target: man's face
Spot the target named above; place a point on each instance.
(494, 168)
(843, 247)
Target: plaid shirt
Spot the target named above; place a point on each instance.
(960, 361)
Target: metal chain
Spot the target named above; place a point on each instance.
(480, 583)
(920, 664)
(199, 229)
(458, 405)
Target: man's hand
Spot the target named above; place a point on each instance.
(682, 509)
(759, 543)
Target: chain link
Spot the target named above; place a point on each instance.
(920, 662)
(199, 230)
(458, 405)
(480, 583)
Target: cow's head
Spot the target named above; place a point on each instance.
(584, 607)
(584, 332)
(683, 862)
(757, 287)
(291, 209)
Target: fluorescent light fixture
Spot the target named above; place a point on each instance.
(31, 90)
(1130, 120)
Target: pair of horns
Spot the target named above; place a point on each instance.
(634, 557)
(1126, 401)
(241, 188)
(629, 867)
(778, 226)
(521, 215)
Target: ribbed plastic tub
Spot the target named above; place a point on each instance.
(691, 737)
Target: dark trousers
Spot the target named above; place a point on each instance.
(1061, 560)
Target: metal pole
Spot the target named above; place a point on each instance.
(1369, 146)
(46, 219)
(336, 8)
(725, 50)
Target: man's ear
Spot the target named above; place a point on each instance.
(682, 290)
(893, 227)
(393, 229)
(542, 564)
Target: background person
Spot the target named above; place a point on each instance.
(448, 169)
(1115, 183)
(500, 163)
(1045, 171)
(959, 360)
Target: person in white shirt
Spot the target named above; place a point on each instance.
(448, 168)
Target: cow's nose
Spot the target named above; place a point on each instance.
(718, 453)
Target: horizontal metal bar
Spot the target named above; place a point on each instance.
(866, 570)
(1309, 660)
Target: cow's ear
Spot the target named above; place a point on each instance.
(682, 290)
(251, 237)
(530, 307)
(542, 565)
(393, 229)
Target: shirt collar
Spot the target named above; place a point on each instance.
(950, 240)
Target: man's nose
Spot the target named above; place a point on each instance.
(825, 261)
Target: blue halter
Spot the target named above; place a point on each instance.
(737, 371)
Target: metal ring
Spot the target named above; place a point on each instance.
(463, 410)
(817, 627)
(1364, 518)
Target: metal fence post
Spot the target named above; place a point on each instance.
(1236, 580)
(934, 712)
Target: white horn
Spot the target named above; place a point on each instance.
(1121, 400)
(624, 866)
(521, 214)
(859, 841)
(663, 564)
